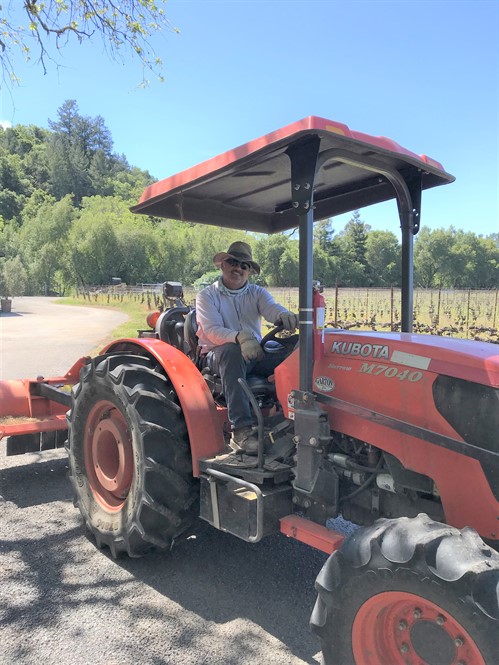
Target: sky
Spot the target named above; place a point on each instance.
(424, 73)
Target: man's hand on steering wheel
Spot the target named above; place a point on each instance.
(286, 340)
(289, 321)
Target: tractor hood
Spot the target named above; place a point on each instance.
(460, 358)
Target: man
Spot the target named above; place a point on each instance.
(229, 314)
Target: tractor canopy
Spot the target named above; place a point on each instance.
(250, 187)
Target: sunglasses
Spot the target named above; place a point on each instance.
(234, 262)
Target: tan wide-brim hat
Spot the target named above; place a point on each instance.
(240, 251)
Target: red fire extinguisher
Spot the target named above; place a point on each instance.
(319, 305)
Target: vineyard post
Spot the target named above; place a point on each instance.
(495, 310)
(438, 306)
(336, 305)
(468, 313)
(391, 308)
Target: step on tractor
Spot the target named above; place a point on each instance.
(396, 432)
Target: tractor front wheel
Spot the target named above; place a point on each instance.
(129, 456)
(409, 592)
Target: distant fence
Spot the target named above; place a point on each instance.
(120, 289)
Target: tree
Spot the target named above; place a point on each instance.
(75, 143)
(43, 241)
(383, 258)
(32, 206)
(431, 251)
(13, 185)
(324, 266)
(323, 234)
(122, 25)
(93, 248)
(136, 243)
(98, 172)
(23, 166)
(268, 253)
(208, 278)
(475, 261)
(125, 182)
(171, 258)
(454, 259)
(289, 264)
(354, 237)
(13, 278)
(80, 160)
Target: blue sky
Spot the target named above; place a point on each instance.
(424, 73)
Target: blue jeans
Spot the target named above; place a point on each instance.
(226, 361)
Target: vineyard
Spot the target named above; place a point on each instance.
(455, 313)
(467, 314)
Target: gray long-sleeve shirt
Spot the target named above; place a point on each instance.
(221, 316)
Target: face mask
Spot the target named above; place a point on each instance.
(231, 292)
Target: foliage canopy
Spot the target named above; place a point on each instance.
(122, 25)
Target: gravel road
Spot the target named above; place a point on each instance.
(213, 600)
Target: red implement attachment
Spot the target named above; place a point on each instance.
(31, 406)
(311, 533)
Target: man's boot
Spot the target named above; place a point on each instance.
(244, 440)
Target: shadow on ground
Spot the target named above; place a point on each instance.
(212, 592)
(221, 578)
(34, 484)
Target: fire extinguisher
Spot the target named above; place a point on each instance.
(319, 305)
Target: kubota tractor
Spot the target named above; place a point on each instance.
(397, 432)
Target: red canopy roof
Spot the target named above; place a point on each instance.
(249, 187)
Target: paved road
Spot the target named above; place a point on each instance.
(213, 600)
(42, 337)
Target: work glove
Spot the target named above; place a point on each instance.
(250, 347)
(289, 320)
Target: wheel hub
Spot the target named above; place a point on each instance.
(111, 454)
(427, 639)
(108, 455)
(406, 629)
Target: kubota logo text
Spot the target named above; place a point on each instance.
(363, 350)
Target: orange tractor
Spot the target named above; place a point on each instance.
(397, 432)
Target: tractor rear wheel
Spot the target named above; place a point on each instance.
(129, 456)
(409, 592)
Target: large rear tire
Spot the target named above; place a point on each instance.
(129, 455)
(409, 592)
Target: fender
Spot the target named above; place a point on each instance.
(204, 421)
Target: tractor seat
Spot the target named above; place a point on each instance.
(190, 337)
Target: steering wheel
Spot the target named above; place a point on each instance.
(271, 336)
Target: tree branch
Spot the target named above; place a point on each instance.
(127, 25)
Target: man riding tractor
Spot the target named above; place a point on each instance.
(229, 314)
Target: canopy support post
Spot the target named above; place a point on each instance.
(304, 155)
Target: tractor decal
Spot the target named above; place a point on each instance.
(363, 350)
(391, 372)
(324, 384)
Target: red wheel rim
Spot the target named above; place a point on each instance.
(108, 455)
(405, 629)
